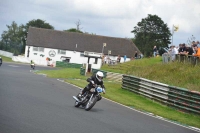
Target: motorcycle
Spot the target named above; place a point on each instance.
(89, 99)
(33, 66)
(1, 61)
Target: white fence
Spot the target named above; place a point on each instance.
(6, 54)
(27, 60)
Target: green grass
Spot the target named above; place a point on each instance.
(6, 59)
(174, 73)
(116, 93)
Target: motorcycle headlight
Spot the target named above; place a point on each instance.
(99, 89)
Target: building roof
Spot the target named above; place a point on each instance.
(81, 42)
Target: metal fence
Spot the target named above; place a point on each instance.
(179, 98)
(166, 58)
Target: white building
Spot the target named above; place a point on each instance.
(74, 47)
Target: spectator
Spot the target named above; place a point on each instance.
(105, 59)
(182, 49)
(193, 42)
(141, 55)
(136, 55)
(198, 44)
(189, 51)
(176, 50)
(172, 52)
(182, 52)
(118, 59)
(124, 58)
(197, 50)
(154, 51)
(197, 53)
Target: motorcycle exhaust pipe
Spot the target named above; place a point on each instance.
(76, 98)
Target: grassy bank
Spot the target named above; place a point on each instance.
(6, 59)
(175, 73)
(115, 93)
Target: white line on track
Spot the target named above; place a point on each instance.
(13, 66)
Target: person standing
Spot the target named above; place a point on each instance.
(105, 59)
(136, 55)
(118, 59)
(154, 51)
(173, 53)
(124, 58)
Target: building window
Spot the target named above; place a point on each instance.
(35, 48)
(82, 54)
(39, 49)
(61, 52)
(96, 59)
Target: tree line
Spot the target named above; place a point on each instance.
(150, 31)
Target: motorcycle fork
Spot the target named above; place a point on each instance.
(91, 97)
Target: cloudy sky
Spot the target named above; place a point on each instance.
(114, 18)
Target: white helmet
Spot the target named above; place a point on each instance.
(99, 75)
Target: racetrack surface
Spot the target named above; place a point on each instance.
(31, 103)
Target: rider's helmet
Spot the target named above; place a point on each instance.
(99, 75)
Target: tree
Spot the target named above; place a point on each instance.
(39, 24)
(149, 32)
(14, 39)
(34, 23)
(78, 23)
(11, 39)
(73, 30)
(77, 29)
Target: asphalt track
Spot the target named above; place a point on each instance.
(31, 103)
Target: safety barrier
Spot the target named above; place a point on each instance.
(179, 98)
(166, 58)
(67, 65)
(82, 71)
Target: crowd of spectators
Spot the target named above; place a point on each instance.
(183, 50)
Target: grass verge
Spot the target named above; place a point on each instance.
(6, 59)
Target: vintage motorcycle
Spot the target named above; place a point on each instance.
(33, 66)
(1, 61)
(89, 99)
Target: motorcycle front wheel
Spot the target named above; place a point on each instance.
(91, 103)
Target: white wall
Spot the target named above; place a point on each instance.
(75, 57)
(6, 54)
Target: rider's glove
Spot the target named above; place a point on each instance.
(92, 82)
(104, 91)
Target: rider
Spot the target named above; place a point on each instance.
(1, 61)
(32, 63)
(96, 79)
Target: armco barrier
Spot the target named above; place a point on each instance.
(67, 65)
(179, 98)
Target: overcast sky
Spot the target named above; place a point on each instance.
(114, 18)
